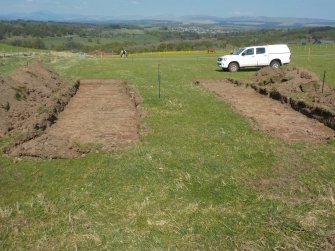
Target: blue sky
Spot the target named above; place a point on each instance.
(173, 8)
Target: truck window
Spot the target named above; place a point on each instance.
(237, 52)
(249, 51)
(260, 50)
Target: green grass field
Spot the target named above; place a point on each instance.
(122, 36)
(201, 178)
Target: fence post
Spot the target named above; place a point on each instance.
(159, 82)
(323, 82)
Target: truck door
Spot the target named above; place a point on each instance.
(262, 56)
(249, 58)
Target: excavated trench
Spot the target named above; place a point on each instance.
(293, 120)
(59, 119)
(102, 115)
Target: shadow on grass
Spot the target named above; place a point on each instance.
(251, 69)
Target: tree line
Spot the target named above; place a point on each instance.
(32, 34)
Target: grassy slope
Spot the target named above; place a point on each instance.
(10, 63)
(201, 177)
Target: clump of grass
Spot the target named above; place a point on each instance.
(5, 212)
(6, 106)
(271, 80)
(20, 93)
(89, 147)
(42, 109)
(312, 86)
(288, 78)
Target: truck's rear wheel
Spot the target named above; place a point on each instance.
(275, 64)
(233, 67)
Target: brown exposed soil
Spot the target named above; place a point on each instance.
(31, 97)
(278, 118)
(300, 88)
(102, 115)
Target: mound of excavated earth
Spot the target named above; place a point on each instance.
(102, 114)
(300, 88)
(30, 99)
(278, 118)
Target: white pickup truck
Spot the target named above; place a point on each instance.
(256, 56)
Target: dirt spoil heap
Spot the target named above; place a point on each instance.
(301, 88)
(31, 98)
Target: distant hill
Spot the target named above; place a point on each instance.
(271, 22)
(261, 22)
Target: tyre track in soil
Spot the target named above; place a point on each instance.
(102, 113)
(269, 115)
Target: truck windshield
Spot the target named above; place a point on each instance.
(238, 51)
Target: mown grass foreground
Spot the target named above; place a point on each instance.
(201, 178)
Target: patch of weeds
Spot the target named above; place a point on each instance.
(20, 93)
(297, 95)
(287, 78)
(4, 142)
(89, 147)
(41, 110)
(312, 86)
(6, 212)
(5, 106)
(271, 80)
(331, 142)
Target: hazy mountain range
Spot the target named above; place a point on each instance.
(269, 22)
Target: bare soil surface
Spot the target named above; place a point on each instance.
(31, 97)
(277, 119)
(52, 118)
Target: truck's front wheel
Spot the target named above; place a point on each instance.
(275, 64)
(233, 67)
